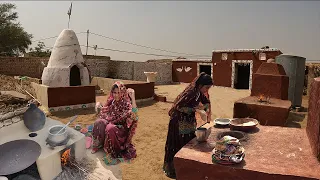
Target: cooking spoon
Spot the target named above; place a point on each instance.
(73, 118)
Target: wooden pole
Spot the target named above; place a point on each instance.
(87, 41)
(69, 22)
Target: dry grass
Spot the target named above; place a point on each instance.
(153, 125)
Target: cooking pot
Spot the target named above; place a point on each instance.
(55, 138)
(202, 134)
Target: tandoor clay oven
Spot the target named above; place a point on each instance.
(275, 153)
(66, 80)
(269, 81)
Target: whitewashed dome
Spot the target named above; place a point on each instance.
(65, 67)
(66, 50)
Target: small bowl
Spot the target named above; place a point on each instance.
(90, 128)
(77, 127)
(222, 121)
(243, 124)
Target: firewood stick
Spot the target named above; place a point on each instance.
(32, 96)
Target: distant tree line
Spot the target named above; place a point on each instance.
(14, 40)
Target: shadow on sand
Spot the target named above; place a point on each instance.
(66, 114)
(295, 120)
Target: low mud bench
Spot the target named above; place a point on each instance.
(274, 114)
(271, 153)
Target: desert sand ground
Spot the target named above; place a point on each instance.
(153, 124)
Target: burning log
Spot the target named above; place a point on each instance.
(65, 158)
(71, 169)
(263, 99)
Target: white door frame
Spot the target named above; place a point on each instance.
(234, 62)
(207, 64)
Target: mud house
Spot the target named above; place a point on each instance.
(234, 68)
(185, 70)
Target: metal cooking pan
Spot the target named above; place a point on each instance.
(18, 155)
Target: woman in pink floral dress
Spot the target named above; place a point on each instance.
(117, 122)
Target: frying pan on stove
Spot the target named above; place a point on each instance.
(18, 155)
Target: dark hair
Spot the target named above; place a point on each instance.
(204, 80)
(114, 87)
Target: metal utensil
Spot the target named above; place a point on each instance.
(203, 125)
(34, 119)
(222, 121)
(236, 159)
(17, 155)
(73, 118)
(54, 138)
(202, 133)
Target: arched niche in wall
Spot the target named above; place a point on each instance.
(75, 76)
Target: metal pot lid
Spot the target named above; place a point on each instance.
(18, 155)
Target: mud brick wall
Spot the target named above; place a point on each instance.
(32, 66)
(164, 70)
(131, 70)
(21, 66)
(99, 66)
(121, 70)
(313, 123)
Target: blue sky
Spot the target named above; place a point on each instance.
(193, 27)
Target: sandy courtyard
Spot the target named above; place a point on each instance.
(153, 124)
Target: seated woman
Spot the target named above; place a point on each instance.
(116, 125)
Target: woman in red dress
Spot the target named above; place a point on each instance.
(183, 124)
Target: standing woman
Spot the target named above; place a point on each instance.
(182, 125)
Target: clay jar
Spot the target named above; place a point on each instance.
(34, 119)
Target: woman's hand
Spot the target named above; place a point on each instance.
(203, 115)
(209, 119)
(129, 122)
(98, 107)
(132, 96)
(131, 93)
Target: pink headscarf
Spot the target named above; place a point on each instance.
(116, 111)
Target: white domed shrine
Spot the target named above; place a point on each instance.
(65, 67)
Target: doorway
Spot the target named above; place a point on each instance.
(242, 76)
(75, 79)
(205, 68)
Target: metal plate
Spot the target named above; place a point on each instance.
(18, 155)
(222, 121)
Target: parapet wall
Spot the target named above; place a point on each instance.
(98, 66)
(143, 90)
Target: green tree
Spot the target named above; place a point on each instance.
(40, 51)
(14, 40)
